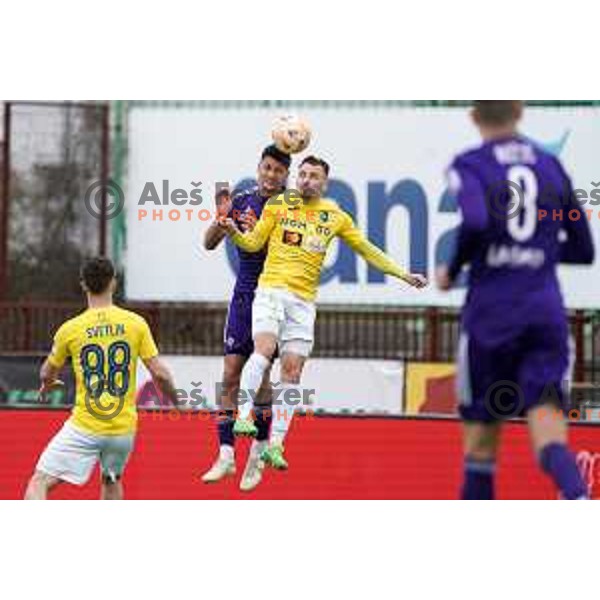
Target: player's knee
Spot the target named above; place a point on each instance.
(481, 454)
(112, 489)
(481, 445)
(265, 345)
(547, 426)
(291, 370)
(39, 485)
(231, 377)
(111, 478)
(265, 395)
(33, 488)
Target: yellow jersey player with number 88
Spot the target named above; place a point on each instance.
(104, 344)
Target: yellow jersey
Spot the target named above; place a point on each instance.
(299, 234)
(104, 345)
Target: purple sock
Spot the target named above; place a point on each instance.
(225, 421)
(558, 462)
(263, 416)
(478, 482)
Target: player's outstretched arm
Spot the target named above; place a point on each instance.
(162, 378)
(376, 257)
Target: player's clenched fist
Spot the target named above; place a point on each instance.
(48, 386)
(442, 278)
(228, 225)
(416, 280)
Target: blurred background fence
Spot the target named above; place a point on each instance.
(377, 332)
(52, 154)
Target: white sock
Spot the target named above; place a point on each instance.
(283, 411)
(251, 380)
(227, 453)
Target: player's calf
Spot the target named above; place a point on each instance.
(40, 485)
(291, 394)
(263, 417)
(292, 366)
(480, 449)
(548, 430)
(112, 488)
(225, 422)
(251, 382)
(232, 370)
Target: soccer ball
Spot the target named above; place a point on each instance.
(291, 134)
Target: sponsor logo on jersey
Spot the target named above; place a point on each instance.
(292, 238)
(314, 243)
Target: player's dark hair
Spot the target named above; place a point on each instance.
(276, 154)
(223, 193)
(316, 162)
(96, 274)
(498, 112)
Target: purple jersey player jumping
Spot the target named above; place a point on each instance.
(245, 208)
(519, 221)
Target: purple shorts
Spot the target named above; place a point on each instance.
(501, 380)
(238, 328)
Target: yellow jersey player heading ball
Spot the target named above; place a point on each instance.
(298, 228)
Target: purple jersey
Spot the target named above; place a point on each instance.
(238, 328)
(519, 220)
(251, 263)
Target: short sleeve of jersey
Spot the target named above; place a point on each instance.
(60, 347)
(237, 204)
(148, 347)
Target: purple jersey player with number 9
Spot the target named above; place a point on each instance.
(245, 209)
(517, 205)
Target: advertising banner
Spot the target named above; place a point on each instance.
(332, 385)
(430, 389)
(388, 171)
(20, 382)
